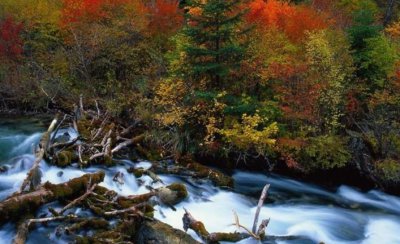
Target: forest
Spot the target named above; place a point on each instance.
(303, 88)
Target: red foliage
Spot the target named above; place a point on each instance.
(90, 10)
(288, 147)
(165, 16)
(336, 14)
(298, 96)
(10, 41)
(293, 20)
(352, 105)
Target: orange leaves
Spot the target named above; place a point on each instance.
(298, 97)
(159, 16)
(293, 20)
(394, 30)
(89, 10)
(165, 16)
(10, 42)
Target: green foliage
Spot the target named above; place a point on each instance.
(325, 152)
(213, 48)
(379, 60)
(278, 79)
(331, 68)
(389, 170)
(368, 43)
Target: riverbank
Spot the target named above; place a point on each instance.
(331, 179)
(341, 215)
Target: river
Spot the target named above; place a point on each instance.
(342, 215)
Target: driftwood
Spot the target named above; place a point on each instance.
(33, 177)
(169, 195)
(259, 206)
(19, 204)
(190, 168)
(189, 222)
(79, 199)
(23, 229)
(98, 142)
(134, 209)
(110, 152)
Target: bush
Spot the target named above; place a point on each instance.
(325, 152)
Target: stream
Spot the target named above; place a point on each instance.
(342, 215)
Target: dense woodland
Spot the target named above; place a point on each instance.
(308, 86)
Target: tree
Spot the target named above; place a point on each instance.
(328, 54)
(10, 40)
(293, 20)
(165, 17)
(214, 48)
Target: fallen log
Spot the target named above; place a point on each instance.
(87, 223)
(22, 203)
(188, 167)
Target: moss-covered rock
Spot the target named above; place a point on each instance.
(138, 172)
(84, 127)
(63, 158)
(160, 233)
(176, 194)
(218, 178)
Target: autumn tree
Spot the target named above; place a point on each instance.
(331, 68)
(11, 45)
(165, 17)
(293, 20)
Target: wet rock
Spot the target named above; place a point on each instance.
(3, 168)
(156, 232)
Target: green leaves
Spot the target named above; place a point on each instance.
(213, 49)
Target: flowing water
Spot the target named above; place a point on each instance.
(343, 215)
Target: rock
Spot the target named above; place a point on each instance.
(3, 168)
(156, 232)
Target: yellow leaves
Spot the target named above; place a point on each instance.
(32, 11)
(393, 30)
(169, 96)
(247, 134)
(197, 11)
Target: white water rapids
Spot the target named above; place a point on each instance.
(345, 215)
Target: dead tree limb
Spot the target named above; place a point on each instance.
(126, 210)
(189, 222)
(33, 177)
(259, 205)
(57, 128)
(23, 229)
(81, 104)
(19, 204)
(124, 144)
(98, 109)
(134, 140)
(79, 199)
